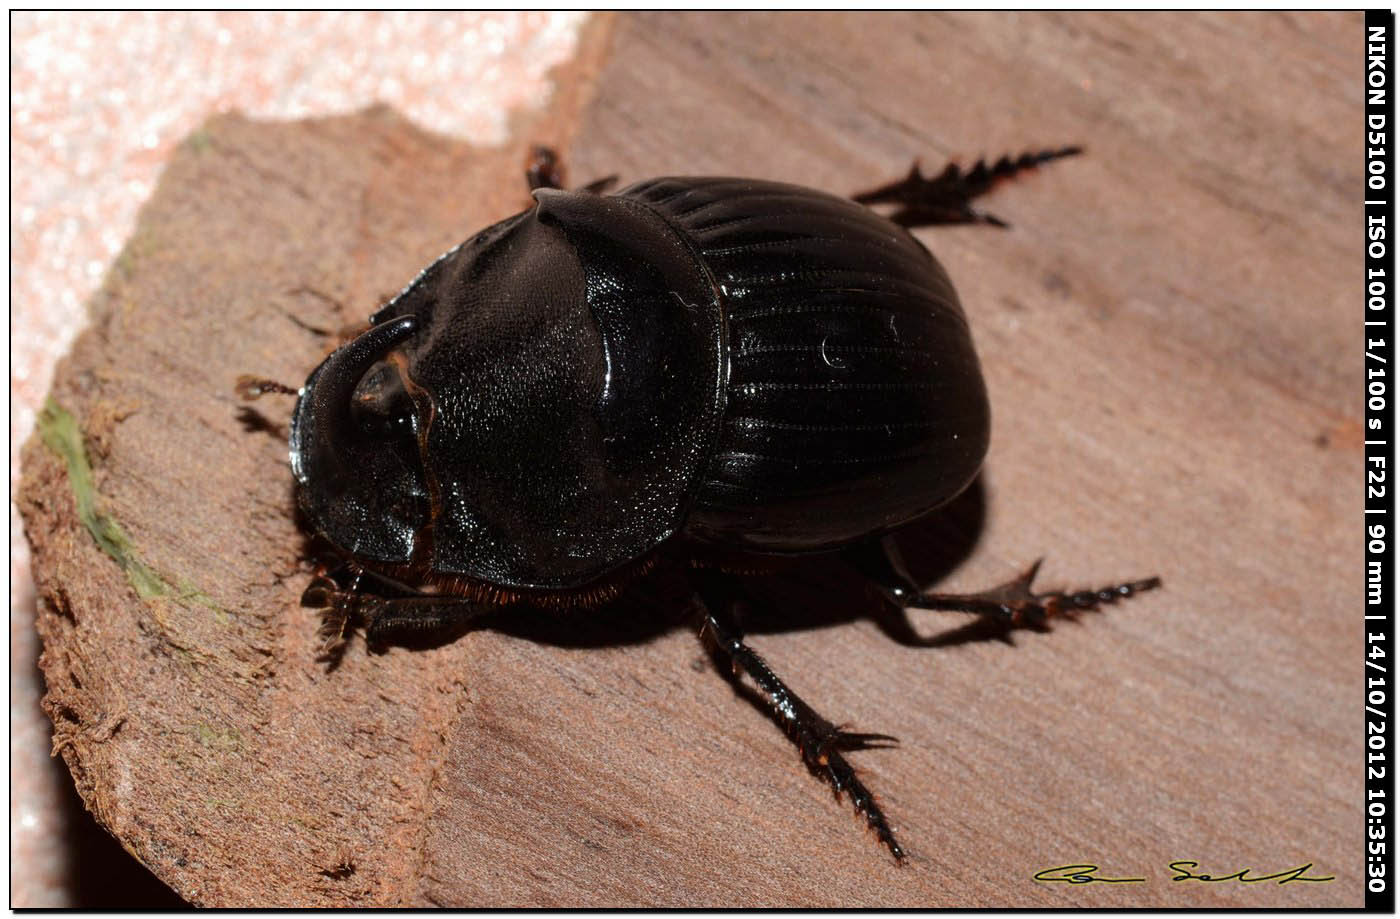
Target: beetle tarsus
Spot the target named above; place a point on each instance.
(819, 742)
(947, 198)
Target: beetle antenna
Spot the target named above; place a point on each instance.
(251, 387)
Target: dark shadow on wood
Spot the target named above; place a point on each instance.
(98, 872)
(255, 422)
(816, 591)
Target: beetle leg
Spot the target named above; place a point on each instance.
(820, 742)
(947, 197)
(387, 620)
(1012, 603)
(545, 169)
(399, 618)
(1016, 604)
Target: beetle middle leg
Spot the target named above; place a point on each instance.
(820, 742)
(947, 197)
(1012, 604)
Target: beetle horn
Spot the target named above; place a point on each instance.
(322, 417)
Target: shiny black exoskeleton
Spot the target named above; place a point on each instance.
(731, 366)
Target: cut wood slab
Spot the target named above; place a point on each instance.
(1168, 334)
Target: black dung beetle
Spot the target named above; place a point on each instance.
(728, 367)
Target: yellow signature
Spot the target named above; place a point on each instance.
(1181, 871)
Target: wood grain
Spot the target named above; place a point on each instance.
(1167, 335)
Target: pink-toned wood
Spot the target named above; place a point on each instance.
(1169, 333)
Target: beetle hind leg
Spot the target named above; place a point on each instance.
(1014, 603)
(820, 743)
(947, 197)
(1011, 604)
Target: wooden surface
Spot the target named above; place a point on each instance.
(1168, 337)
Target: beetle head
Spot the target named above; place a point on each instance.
(354, 448)
(530, 411)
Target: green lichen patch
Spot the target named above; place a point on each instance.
(61, 434)
(192, 594)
